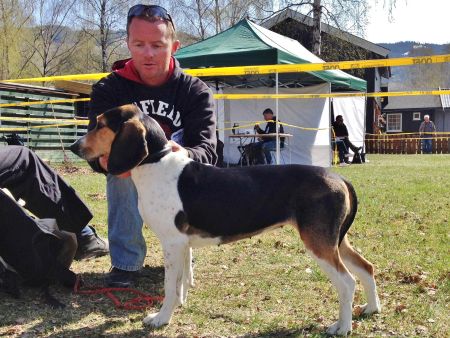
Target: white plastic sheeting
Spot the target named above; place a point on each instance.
(352, 110)
(306, 146)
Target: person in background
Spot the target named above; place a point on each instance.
(426, 130)
(341, 133)
(262, 149)
(184, 107)
(382, 123)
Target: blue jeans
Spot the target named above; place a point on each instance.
(264, 148)
(126, 241)
(427, 145)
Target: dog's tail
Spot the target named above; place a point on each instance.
(351, 213)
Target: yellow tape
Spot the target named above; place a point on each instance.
(327, 95)
(32, 103)
(87, 77)
(39, 119)
(266, 96)
(270, 69)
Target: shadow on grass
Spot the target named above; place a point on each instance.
(73, 320)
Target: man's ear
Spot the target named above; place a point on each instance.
(129, 147)
(175, 46)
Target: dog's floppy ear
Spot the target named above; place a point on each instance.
(129, 147)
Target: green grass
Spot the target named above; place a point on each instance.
(267, 286)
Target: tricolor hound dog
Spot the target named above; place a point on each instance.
(188, 205)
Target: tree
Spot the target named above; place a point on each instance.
(14, 16)
(203, 18)
(104, 22)
(347, 15)
(52, 41)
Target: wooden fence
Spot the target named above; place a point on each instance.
(405, 143)
(51, 142)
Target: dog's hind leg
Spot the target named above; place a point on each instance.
(343, 281)
(175, 253)
(363, 269)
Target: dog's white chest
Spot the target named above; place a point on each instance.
(159, 200)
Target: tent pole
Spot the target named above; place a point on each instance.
(276, 122)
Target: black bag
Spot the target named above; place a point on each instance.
(359, 158)
(36, 249)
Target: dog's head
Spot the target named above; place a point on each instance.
(125, 135)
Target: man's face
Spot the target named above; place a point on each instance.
(268, 116)
(151, 47)
(427, 118)
(339, 120)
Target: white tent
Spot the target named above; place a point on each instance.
(352, 110)
(306, 146)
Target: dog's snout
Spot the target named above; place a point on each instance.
(75, 148)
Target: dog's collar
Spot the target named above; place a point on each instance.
(155, 157)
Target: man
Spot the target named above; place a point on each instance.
(46, 195)
(426, 130)
(267, 144)
(182, 105)
(341, 134)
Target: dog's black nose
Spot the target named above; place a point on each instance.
(75, 148)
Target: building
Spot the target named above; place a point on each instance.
(404, 114)
(338, 45)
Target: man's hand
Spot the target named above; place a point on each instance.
(176, 147)
(103, 161)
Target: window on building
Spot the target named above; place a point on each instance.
(416, 116)
(394, 122)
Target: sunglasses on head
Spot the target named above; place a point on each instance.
(151, 11)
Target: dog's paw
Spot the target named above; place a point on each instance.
(155, 320)
(368, 309)
(340, 329)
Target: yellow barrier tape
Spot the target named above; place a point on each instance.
(269, 69)
(86, 77)
(394, 134)
(267, 96)
(39, 119)
(32, 103)
(391, 140)
(8, 130)
(327, 95)
(309, 67)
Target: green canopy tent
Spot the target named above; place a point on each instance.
(247, 44)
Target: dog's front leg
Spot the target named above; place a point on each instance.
(174, 260)
(188, 275)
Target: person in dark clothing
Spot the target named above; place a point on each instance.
(47, 196)
(262, 149)
(58, 211)
(341, 134)
(184, 107)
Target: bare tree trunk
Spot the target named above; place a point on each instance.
(200, 19)
(217, 16)
(317, 17)
(103, 35)
(4, 66)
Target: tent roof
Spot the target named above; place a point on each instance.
(247, 44)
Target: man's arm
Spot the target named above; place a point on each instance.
(199, 137)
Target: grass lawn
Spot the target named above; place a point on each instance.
(267, 286)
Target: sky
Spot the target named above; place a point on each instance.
(414, 20)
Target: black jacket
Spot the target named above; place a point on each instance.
(183, 106)
(271, 128)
